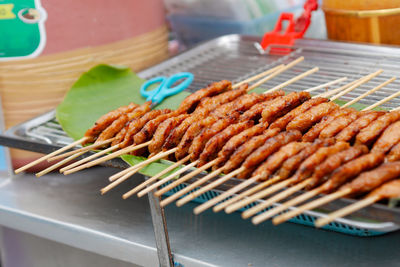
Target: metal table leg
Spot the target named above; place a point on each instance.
(160, 231)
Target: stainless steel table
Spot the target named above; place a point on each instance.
(86, 228)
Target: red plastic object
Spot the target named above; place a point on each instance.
(294, 30)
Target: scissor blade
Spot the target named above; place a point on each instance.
(153, 104)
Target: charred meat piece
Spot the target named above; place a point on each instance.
(283, 105)
(210, 103)
(370, 133)
(366, 117)
(206, 105)
(389, 138)
(119, 137)
(333, 162)
(104, 121)
(177, 134)
(120, 123)
(190, 102)
(314, 132)
(338, 124)
(308, 166)
(254, 113)
(247, 148)
(278, 158)
(304, 121)
(293, 163)
(190, 134)
(282, 122)
(146, 133)
(207, 133)
(394, 153)
(219, 140)
(372, 179)
(236, 141)
(272, 145)
(162, 133)
(241, 104)
(136, 125)
(351, 169)
(388, 190)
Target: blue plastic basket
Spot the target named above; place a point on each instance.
(304, 219)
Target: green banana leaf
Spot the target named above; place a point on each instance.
(100, 90)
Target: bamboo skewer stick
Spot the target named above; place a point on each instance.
(260, 75)
(282, 195)
(203, 190)
(58, 151)
(142, 164)
(336, 90)
(227, 204)
(347, 210)
(228, 193)
(369, 92)
(276, 73)
(84, 160)
(298, 77)
(299, 199)
(60, 163)
(357, 84)
(136, 168)
(190, 187)
(311, 205)
(326, 84)
(114, 177)
(85, 148)
(166, 179)
(103, 159)
(259, 195)
(154, 178)
(383, 101)
(184, 178)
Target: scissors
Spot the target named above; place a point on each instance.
(164, 89)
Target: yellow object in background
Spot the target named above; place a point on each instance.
(6, 11)
(374, 21)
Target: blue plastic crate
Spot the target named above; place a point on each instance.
(304, 219)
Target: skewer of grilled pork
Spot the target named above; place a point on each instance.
(249, 161)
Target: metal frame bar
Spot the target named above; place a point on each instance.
(160, 231)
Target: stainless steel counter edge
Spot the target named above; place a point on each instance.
(90, 240)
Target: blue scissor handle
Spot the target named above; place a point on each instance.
(164, 89)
